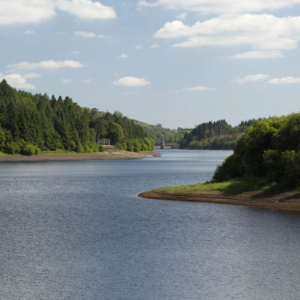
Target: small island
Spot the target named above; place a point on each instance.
(263, 171)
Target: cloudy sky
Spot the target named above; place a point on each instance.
(173, 62)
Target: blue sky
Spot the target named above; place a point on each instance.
(179, 63)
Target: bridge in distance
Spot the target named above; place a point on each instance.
(168, 146)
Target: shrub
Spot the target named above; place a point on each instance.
(274, 165)
(232, 167)
(79, 148)
(100, 148)
(291, 162)
(87, 149)
(130, 145)
(29, 149)
(71, 146)
(137, 146)
(12, 148)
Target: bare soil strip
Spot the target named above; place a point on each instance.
(82, 156)
(289, 201)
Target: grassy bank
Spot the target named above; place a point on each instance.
(251, 191)
(236, 186)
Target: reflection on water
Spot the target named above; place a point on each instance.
(76, 230)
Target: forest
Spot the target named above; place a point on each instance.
(158, 132)
(270, 148)
(214, 135)
(33, 123)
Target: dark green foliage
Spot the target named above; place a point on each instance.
(30, 122)
(214, 135)
(124, 133)
(269, 148)
(231, 168)
(12, 148)
(29, 149)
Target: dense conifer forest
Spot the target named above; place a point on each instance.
(33, 123)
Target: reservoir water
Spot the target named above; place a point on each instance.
(78, 231)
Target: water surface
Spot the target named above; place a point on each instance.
(76, 230)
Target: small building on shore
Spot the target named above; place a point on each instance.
(108, 148)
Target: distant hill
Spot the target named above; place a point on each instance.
(214, 135)
(158, 133)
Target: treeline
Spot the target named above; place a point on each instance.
(158, 133)
(123, 132)
(32, 123)
(269, 148)
(214, 135)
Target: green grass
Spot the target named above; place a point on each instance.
(236, 186)
(6, 154)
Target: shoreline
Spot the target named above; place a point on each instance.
(283, 201)
(123, 155)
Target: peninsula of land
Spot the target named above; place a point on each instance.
(267, 198)
(119, 155)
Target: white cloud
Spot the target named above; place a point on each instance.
(251, 78)
(32, 75)
(37, 11)
(75, 52)
(154, 46)
(90, 34)
(46, 64)
(124, 56)
(262, 32)
(138, 47)
(28, 32)
(17, 81)
(198, 89)
(85, 34)
(26, 11)
(66, 80)
(86, 9)
(220, 6)
(132, 81)
(181, 16)
(87, 81)
(258, 55)
(284, 80)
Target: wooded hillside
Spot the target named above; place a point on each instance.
(32, 123)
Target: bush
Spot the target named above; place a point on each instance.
(291, 162)
(29, 150)
(274, 165)
(12, 148)
(100, 148)
(87, 149)
(37, 150)
(71, 146)
(231, 168)
(79, 148)
(137, 146)
(130, 145)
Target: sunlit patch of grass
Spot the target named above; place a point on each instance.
(236, 186)
(6, 154)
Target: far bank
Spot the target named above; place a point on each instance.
(119, 155)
